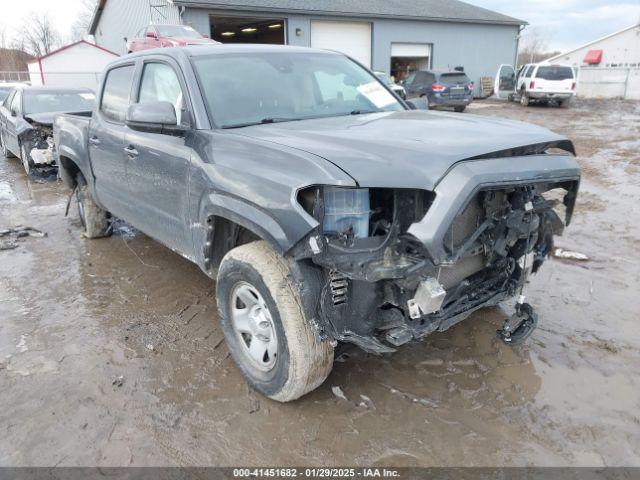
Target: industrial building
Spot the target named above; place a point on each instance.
(390, 36)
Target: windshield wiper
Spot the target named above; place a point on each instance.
(362, 112)
(269, 120)
(264, 121)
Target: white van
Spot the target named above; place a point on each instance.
(537, 82)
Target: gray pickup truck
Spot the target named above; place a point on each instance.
(327, 208)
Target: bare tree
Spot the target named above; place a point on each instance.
(80, 26)
(37, 35)
(4, 36)
(534, 46)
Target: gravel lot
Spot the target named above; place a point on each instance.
(110, 351)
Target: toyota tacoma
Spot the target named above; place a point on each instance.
(327, 209)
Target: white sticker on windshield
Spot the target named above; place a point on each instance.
(376, 94)
(88, 96)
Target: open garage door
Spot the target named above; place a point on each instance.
(409, 57)
(351, 38)
(247, 30)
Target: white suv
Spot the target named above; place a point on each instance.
(537, 82)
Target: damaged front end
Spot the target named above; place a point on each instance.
(399, 264)
(37, 138)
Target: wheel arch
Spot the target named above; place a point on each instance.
(230, 222)
(68, 171)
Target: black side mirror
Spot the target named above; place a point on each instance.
(154, 117)
(14, 113)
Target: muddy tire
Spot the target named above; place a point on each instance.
(5, 151)
(524, 99)
(277, 349)
(27, 162)
(95, 220)
(460, 109)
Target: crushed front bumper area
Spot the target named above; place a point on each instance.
(40, 145)
(488, 226)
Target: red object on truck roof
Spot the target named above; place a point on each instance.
(593, 57)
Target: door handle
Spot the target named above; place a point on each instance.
(131, 152)
(94, 141)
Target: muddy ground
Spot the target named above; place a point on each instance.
(111, 354)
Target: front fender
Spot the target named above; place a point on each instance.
(248, 216)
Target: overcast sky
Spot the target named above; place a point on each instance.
(62, 13)
(566, 23)
(569, 23)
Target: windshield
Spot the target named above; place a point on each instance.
(177, 31)
(46, 102)
(4, 91)
(555, 73)
(263, 87)
(383, 76)
(454, 78)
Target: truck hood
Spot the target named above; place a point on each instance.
(408, 149)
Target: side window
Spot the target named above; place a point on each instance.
(422, 78)
(160, 84)
(527, 73)
(15, 103)
(115, 95)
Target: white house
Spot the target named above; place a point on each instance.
(609, 67)
(76, 65)
(619, 49)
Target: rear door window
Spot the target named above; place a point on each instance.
(528, 71)
(422, 78)
(115, 96)
(554, 73)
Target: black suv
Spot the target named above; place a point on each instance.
(441, 88)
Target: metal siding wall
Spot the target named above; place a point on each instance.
(479, 48)
(123, 18)
(198, 19)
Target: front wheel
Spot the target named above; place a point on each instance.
(275, 345)
(27, 162)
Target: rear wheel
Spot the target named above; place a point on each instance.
(524, 99)
(95, 220)
(460, 109)
(277, 349)
(564, 103)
